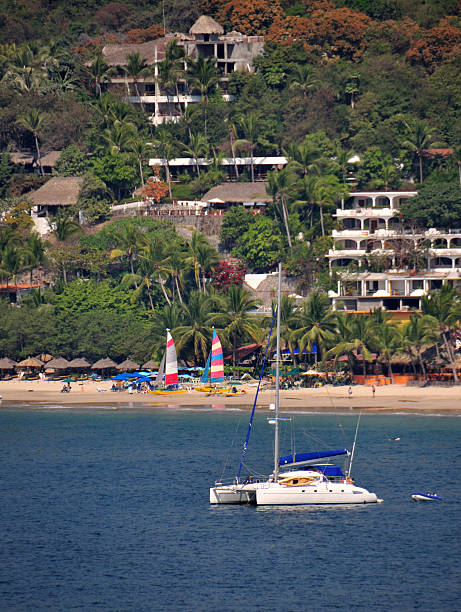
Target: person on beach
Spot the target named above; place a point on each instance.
(350, 392)
(373, 390)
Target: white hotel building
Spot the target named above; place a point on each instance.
(384, 264)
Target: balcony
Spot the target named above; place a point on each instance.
(364, 212)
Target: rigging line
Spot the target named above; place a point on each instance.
(250, 424)
(227, 459)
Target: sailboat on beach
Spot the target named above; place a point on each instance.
(169, 366)
(214, 370)
(297, 478)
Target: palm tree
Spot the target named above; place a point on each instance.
(327, 191)
(280, 187)
(235, 320)
(197, 147)
(169, 73)
(387, 340)
(154, 253)
(99, 71)
(232, 135)
(288, 321)
(419, 138)
(458, 161)
(140, 149)
(34, 251)
(194, 335)
(119, 137)
(303, 157)
(33, 122)
(303, 78)
(249, 125)
(142, 282)
(354, 336)
(444, 307)
(169, 317)
(64, 226)
(129, 241)
(176, 267)
(207, 257)
(316, 324)
(202, 74)
(136, 68)
(11, 262)
(166, 149)
(195, 247)
(417, 333)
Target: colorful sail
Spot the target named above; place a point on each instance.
(206, 371)
(171, 362)
(217, 360)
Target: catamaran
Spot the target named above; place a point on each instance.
(169, 368)
(297, 478)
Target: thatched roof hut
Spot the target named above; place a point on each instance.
(7, 364)
(116, 55)
(57, 364)
(30, 362)
(104, 364)
(128, 365)
(59, 191)
(79, 363)
(237, 193)
(45, 357)
(150, 365)
(206, 25)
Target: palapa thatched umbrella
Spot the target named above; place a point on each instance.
(7, 364)
(128, 366)
(44, 357)
(79, 363)
(57, 364)
(30, 362)
(150, 365)
(104, 364)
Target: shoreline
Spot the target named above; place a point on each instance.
(388, 399)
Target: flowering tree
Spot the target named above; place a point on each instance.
(226, 274)
(155, 189)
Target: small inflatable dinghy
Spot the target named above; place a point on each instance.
(425, 497)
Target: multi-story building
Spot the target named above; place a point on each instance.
(384, 264)
(206, 38)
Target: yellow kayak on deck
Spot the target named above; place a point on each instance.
(236, 393)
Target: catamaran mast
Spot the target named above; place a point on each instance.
(277, 380)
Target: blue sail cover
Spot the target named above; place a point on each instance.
(206, 371)
(299, 458)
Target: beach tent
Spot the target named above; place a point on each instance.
(57, 364)
(104, 364)
(128, 365)
(79, 363)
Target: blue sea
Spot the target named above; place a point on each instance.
(105, 509)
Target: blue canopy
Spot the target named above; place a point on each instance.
(300, 458)
(144, 379)
(123, 376)
(333, 471)
(185, 376)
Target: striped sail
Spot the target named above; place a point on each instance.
(217, 360)
(171, 362)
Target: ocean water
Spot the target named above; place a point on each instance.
(108, 509)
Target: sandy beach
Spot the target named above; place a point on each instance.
(390, 398)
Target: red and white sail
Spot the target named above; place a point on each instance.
(171, 362)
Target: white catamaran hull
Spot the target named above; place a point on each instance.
(322, 493)
(233, 494)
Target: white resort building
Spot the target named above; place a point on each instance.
(384, 264)
(206, 38)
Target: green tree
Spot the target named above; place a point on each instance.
(316, 324)
(32, 121)
(280, 187)
(261, 246)
(193, 336)
(136, 68)
(72, 162)
(236, 222)
(197, 147)
(202, 74)
(419, 137)
(248, 124)
(436, 205)
(418, 334)
(64, 226)
(387, 341)
(99, 71)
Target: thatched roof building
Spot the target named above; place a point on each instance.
(7, 364)
(57, 364)
(151, 51)
(150, 365)
(56, 193)
(206, 25)
(238, 193)
(30, 362)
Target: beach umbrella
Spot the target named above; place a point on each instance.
(123, 376)
(68, 380)
(128, 364)
(104, 364)
(150, 365)
(144, 379)
(185, 376)
(7, 364)
(30, 362)
(57, 364)
(309, 373)
(142, 373)
(80, 363)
